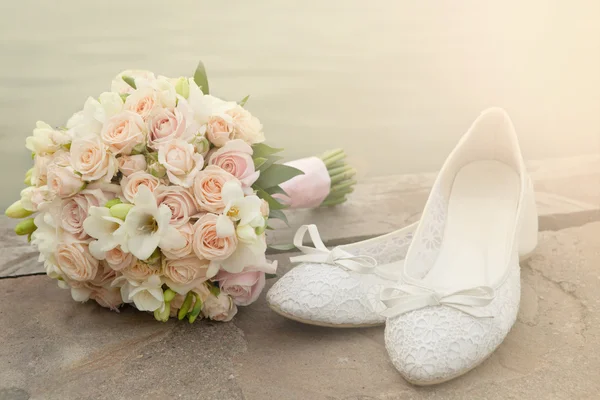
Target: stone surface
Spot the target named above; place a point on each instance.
(567, 194)
(54, 348)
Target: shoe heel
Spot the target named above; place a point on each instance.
(528, 237)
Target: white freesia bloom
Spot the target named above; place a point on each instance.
(87, 122)
(45, 238)
(245, 209)
(205, 106)
(147, 295)
(111, 103)
(101, 226)
(147, 226)
(46, 139)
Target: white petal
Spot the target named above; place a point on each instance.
(224, 226)
(80, 294)
(142, 246)
(173, 239)
(249, 208)
(213, 268)
(144, 197)
(96, 250)
(231, 191)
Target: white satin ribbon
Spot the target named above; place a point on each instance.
(337, 257)
(408, 297)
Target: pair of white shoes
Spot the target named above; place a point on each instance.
(447, 287)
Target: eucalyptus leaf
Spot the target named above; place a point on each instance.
(201, 79)
(262, 150)
(278, 214)
(270, 276)
(282, 247)
(243, 101)
(273, 203)
(276, 174)
(129, 80)
(258, 162)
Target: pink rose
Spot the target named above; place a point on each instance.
(130, 164)
(117, 259)
(140, 271)
(74, 210)
(221, 308)
(104, 276)
(181, 162)
(40, 169)
(167, 125)
(142, 102)
(76, 262)
(207, 244)
(207, 188)
(179, 200)
(123, 131)
(63, 181)
(183, 274)
(91, 158)
(246, 126)
(243, 287)
(187, 232)
(107, 297)
(218, 131)
(130, 184)
(236, 158)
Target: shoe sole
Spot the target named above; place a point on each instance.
(319, 323)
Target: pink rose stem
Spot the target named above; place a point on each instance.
(341, 177)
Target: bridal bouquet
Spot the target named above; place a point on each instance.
(159, 195)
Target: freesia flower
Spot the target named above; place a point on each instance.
(245, 209)
(147, 227)
(147, 296)
(101, 225)
(46, 139)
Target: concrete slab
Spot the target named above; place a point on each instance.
(54, 348)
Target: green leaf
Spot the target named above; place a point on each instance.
(282, 247)
(270, 276)
(278, 214)
(270, 161)
(276, 174)
(129, 80)
(262, 150)
(124, 96)
(243, 101)
(200, 78)
(276, 190)
(273, 203)
(258, 162)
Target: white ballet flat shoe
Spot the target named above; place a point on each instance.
(460, 288)
(340, 288)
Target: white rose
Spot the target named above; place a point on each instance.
(130, 164)
(181, 162)
(46, 139)
(63, 181)
(246, 126)
(221, 308)
(91, 158)
(123, 131)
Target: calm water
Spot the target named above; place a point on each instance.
(393, 82)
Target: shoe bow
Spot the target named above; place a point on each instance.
(409, 297)
(337, 257)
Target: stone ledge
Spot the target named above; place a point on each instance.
(54, 348)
